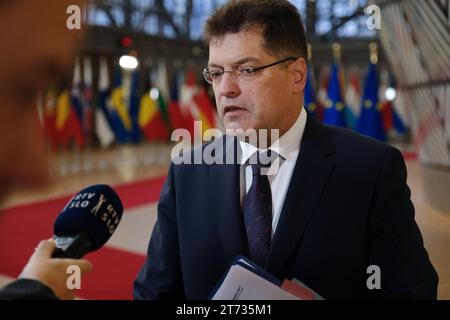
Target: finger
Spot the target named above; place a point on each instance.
(44, 248)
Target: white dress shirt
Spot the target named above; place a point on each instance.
(287, 147)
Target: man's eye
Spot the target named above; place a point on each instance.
(215, 73)
(246, 71)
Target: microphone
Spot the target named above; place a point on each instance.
(87, 222)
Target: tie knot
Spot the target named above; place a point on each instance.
(262, 160)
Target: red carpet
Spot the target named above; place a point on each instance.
(22, 227)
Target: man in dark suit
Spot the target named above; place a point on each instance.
(336, 206)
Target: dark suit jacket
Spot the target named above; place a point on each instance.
(347, 207)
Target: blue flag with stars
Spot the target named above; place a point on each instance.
(370, 121)
(310, 96)
(334, 106)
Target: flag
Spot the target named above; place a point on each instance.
(334, 113)
(197, 105)
(175, 115)
(102, 123)
(349, 116)
(399, 126)
(163, 95)
(370, 122)
(400, 110)
(88, 119)
(387, 116)
(322, 93)
(150, 118)
(162, 82)
(69, 113)
(134, 107)
(188, 106)
(62, 116)
(391, 119)
(353, 98)
(385, 105)
(206, 108)
(118, 112)
(76, 117)
(310, 95)
(67, 125)
(49, 119)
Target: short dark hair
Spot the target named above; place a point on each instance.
(282, 26)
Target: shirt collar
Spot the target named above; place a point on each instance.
(287, 146)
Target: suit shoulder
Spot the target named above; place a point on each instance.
(343, 136)
(349, 143)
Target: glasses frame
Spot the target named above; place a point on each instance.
(206, 70)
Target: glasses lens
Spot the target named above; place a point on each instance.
(245, 71)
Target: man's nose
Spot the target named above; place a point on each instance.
(229, 86)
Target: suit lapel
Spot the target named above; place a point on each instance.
(314, 165)
(224, 187)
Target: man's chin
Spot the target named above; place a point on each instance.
(235, 129)
(235, 126)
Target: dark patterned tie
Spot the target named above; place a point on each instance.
(257, 209)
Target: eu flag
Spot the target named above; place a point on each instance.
(310, 96)
(370, 121)
(334, 107)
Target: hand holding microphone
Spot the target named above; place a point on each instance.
(52, 272)
(85, 224)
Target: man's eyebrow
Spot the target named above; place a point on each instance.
(238, 62)
(247, 59)
(213, 65)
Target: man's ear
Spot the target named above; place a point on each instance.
(299, 70)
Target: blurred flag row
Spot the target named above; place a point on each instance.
(362, 107)
(124, 107)
(133, 106)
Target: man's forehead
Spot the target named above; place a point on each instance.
(255, 34)
(237, 47)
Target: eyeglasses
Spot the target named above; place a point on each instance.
(214, 75)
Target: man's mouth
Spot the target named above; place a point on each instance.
(232, 110)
